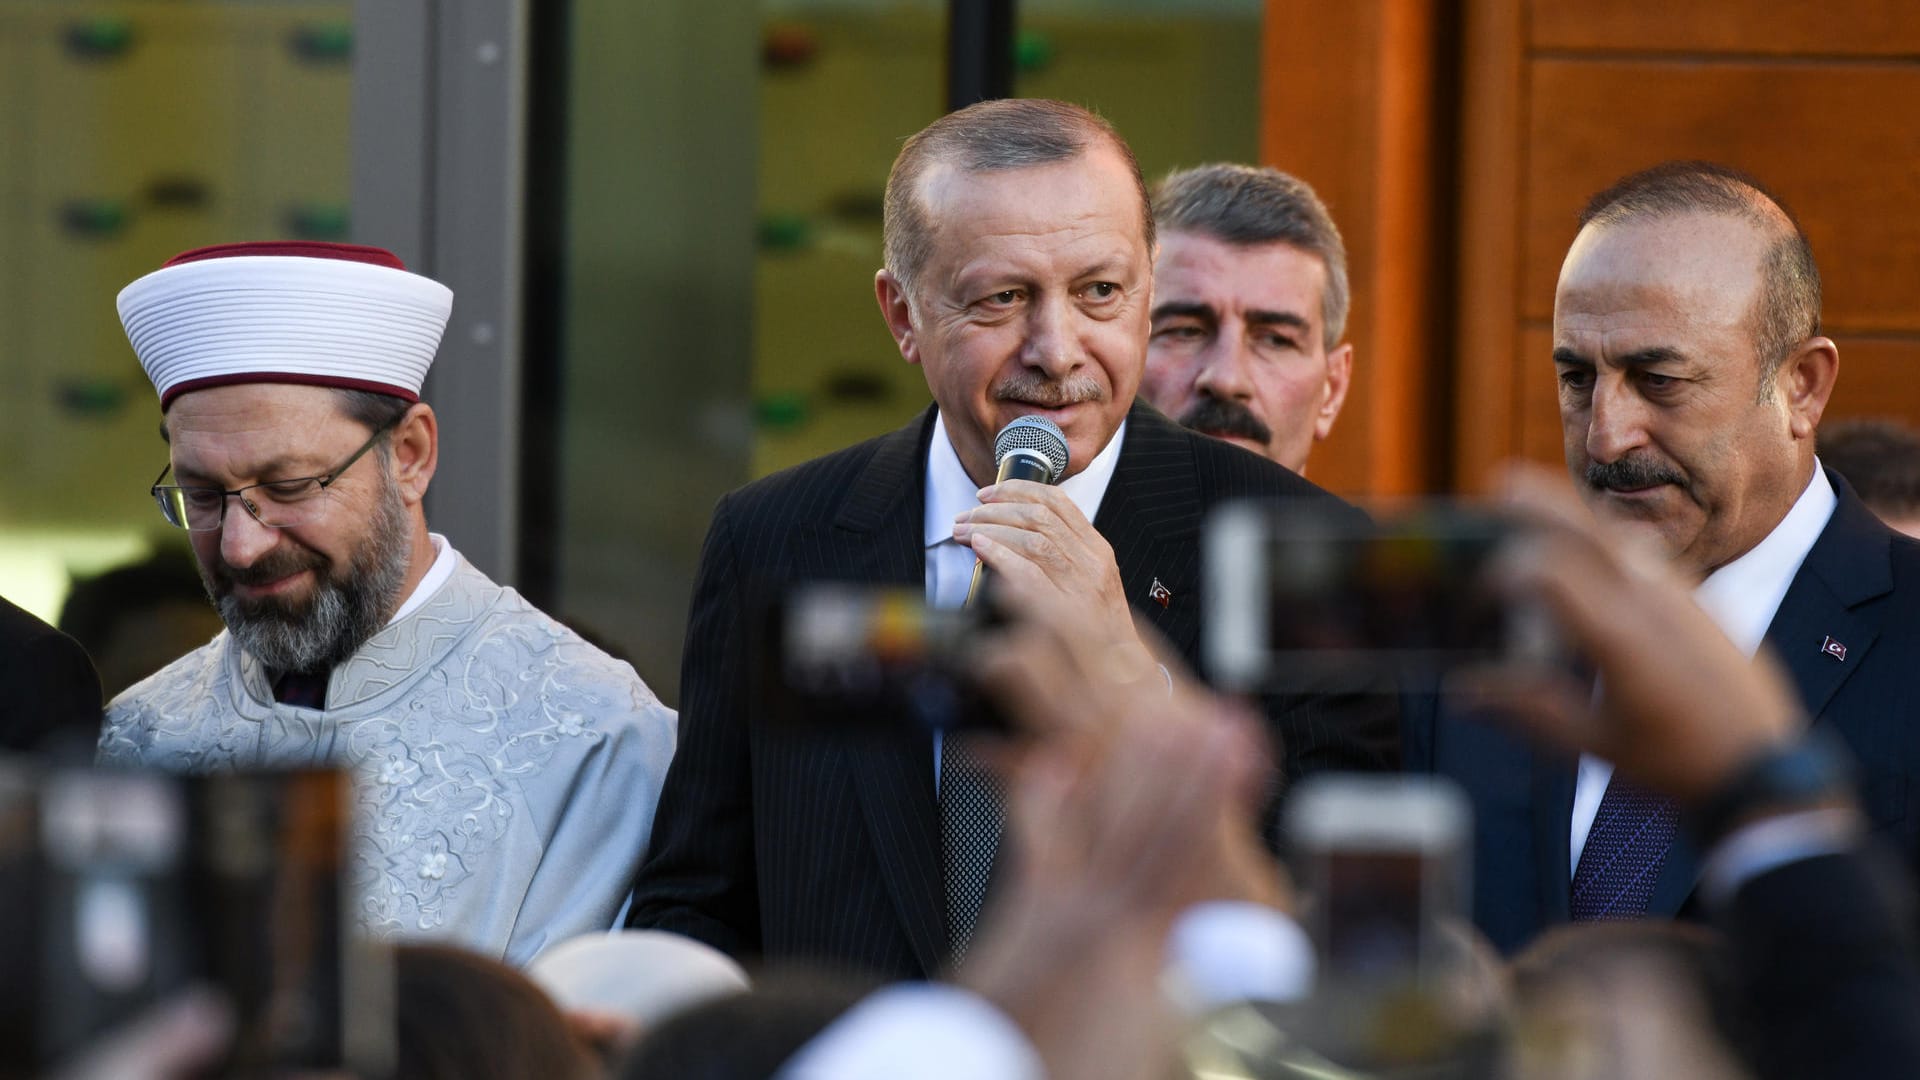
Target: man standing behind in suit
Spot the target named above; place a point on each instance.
(1691, 377)
(1249, 303)
(1018, 277)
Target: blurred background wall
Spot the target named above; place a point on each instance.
(661, 222)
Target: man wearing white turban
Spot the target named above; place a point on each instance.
(506, 771)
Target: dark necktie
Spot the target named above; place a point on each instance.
(307, 689)
(1625, 850)
(970, 821)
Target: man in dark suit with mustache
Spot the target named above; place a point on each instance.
(1019, 279)
(1692, 375)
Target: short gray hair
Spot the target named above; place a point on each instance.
(1246, 206)
(991, 136)
(1787, 311)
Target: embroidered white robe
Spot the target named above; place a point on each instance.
(505, 771)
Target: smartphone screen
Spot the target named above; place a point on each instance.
(851, 658)
(1297, 596)
(1382, 860)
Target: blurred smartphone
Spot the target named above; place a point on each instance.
(846, 657)
(146, 883)
(1300, 597)
(1385, 860)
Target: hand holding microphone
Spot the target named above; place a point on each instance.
(1040, 547)
(1030, 448)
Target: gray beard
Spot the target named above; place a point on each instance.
(342, 614)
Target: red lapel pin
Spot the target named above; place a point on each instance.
(1160, 593)
(1834, 649)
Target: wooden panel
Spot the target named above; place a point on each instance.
(1769, 27)
(1488, 242)
(1878, 377)
(1348, 105)
(1838, 142)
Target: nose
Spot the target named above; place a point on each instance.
(1226, 369)
(243, 539)
(1616, 420)
(1052, 344)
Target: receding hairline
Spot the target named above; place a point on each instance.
(943, 167)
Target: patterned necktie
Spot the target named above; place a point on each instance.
(307, 689)
(1626, 848)
(971, 814)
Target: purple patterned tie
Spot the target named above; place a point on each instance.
(1625, 850)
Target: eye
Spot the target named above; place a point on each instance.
(1576, 378)
(1657, 382)
(1275, 340)
(1003, 298)
(1102, 290)
(1181, 332)
(284, 490)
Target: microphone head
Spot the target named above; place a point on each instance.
(1038, 435)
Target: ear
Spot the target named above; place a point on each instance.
(1805, 382)
(416, 452)
(897, 310)
(1339, 379)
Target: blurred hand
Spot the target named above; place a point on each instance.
(1681, 710)
(178, 1038)
(1129, 805)
(1040, 544)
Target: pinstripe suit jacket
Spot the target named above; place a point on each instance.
(800, 848)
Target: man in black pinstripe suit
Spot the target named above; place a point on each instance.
(1019, 278)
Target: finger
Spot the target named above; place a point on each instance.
(1025, 563)
(1052, 497)
(1029, 671)
(1553, 707)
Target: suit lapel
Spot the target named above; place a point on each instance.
(1151, 515)
(876, 538)
(1829, 602)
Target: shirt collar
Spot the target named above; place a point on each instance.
(950, 491)
(1743, 595)
(444, 560)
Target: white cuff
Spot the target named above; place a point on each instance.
(929, 1031)
(1770, 843)
(1225, 951)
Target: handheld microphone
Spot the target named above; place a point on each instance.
(1030, 448)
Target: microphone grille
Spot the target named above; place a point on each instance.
(1036, 433)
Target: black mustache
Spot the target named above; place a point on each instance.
(1223, 416)
(1631, 474)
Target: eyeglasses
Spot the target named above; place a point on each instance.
(277, 504)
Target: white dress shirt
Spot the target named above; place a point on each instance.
(1741, 597)
(444, 560)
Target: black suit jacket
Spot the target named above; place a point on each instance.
(47, 684)
(1824, 960)
(1859, 587)
(826, 850)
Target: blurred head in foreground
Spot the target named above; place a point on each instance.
(1881, 460)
